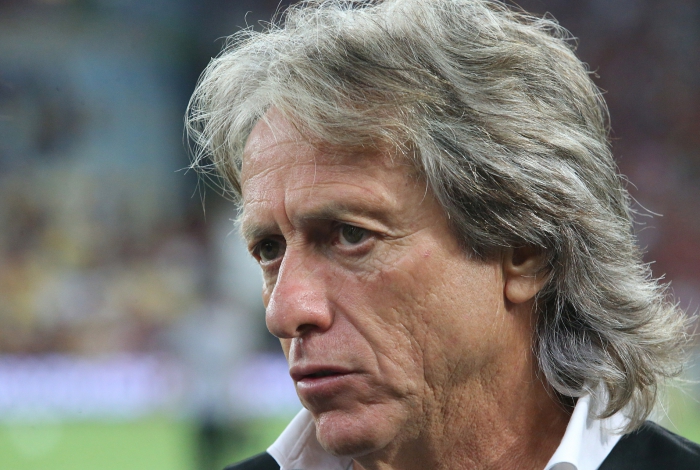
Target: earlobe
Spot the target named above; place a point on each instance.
(523, 273)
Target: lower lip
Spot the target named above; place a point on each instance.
(316, 387)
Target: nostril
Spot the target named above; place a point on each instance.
(305, 328)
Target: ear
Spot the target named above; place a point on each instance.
(523, 273)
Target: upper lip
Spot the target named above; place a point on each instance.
(301, 372)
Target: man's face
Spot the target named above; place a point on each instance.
(384, 319)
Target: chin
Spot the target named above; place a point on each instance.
(345, 434)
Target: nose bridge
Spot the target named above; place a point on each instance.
(298, 302)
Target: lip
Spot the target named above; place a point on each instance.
(314, 373)
(321, 382)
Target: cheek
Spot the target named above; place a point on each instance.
(447, 308)
(385, 309)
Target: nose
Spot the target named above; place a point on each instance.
(299, 302)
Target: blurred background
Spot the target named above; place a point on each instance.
(131, 328)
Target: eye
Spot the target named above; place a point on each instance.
(351, 235)
(269, 250)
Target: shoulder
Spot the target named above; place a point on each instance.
(262, 461)
(652, 446)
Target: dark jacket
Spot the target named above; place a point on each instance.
(651, 447)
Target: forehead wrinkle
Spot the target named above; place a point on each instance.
(345, 198)
(251, 158)
(334, 210)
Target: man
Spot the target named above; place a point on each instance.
(446, 247)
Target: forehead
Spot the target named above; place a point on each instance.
(276, 140)
(279, 164)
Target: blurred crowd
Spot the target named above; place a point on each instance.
(109, 247)
(645, 56)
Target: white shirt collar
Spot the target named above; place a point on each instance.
(586, 443)
(298, 449)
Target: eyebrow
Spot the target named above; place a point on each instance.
(254, 231)
(328, 211)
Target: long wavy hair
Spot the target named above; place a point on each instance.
(511, 135)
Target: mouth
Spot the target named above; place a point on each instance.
(323, 373)
(300, 374)
(320, 386)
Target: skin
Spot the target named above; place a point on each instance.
(428, 350)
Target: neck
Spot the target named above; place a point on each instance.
(481, 427)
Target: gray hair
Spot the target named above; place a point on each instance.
(510, 134)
